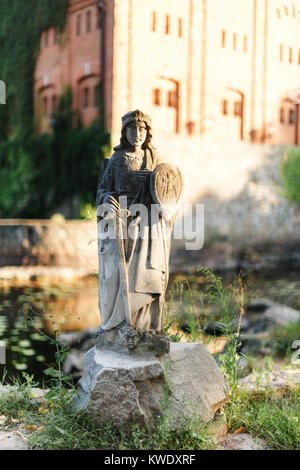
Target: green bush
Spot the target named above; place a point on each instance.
(39, 172)
(282, 338)
(290, 174)
(21, 25)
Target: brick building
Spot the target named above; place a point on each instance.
(224, 69)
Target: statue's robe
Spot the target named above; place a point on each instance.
(147, 256)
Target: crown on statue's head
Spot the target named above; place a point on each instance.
(137, 116)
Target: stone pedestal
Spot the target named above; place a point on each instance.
(123, 387)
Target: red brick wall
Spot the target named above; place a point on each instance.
(217, 55)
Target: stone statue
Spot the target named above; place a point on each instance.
(137, 196)
(126, 372)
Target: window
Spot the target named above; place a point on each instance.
(225, 107)
(86, 97)
(294, 10)
(291, 55)
(281, 116)
(45, 105)
(223, 40)
(98, 19)
(299, 57)
(96, 96)
(234, 41)
(78, 25)
(88, 21)
(156, 97)
(278, 13)
(54, 101)
(245, 46)
(167, 24)
(281, 53)
(153, 21)
(292, 116)
(172, 99)
(286, 11)
(237, 108)
(180, 28)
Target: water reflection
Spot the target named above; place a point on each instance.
(28, 314)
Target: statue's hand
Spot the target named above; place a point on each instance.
(142, 176)
(112, 203)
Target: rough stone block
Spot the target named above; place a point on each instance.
(124, 387)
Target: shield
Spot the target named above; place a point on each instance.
(166, 185)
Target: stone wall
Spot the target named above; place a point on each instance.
(44, 242)
(239, 185)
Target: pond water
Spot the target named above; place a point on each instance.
(30, 316)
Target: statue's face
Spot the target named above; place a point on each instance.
(136, 133)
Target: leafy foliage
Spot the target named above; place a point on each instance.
(21, 26)
(282, 338)
(265, 415)
(290, 173)
(40, 172)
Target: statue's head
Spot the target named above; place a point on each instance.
(132, 121)
(131, 335)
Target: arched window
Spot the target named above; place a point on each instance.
(78, 25)
(291, 116)
(96, 95)
(180, 28)
(281, 52)
(45, 105)
(54, 102)
(153, 21)
(223, 39)
(225, 107)
(237, 108)
(172, 99)
(167, 24)
(86, 97)
(156, 97)
(234, 41)
(88, 21)
(281, 116)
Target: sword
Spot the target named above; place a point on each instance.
(122, 264)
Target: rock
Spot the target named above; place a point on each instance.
(77, 338)
(281, 315)
(270, 314)
(74, 364)
(37, 393)
(276, 380)
(258, 305)
(242, 441)
(12, 440)
(123, 387)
